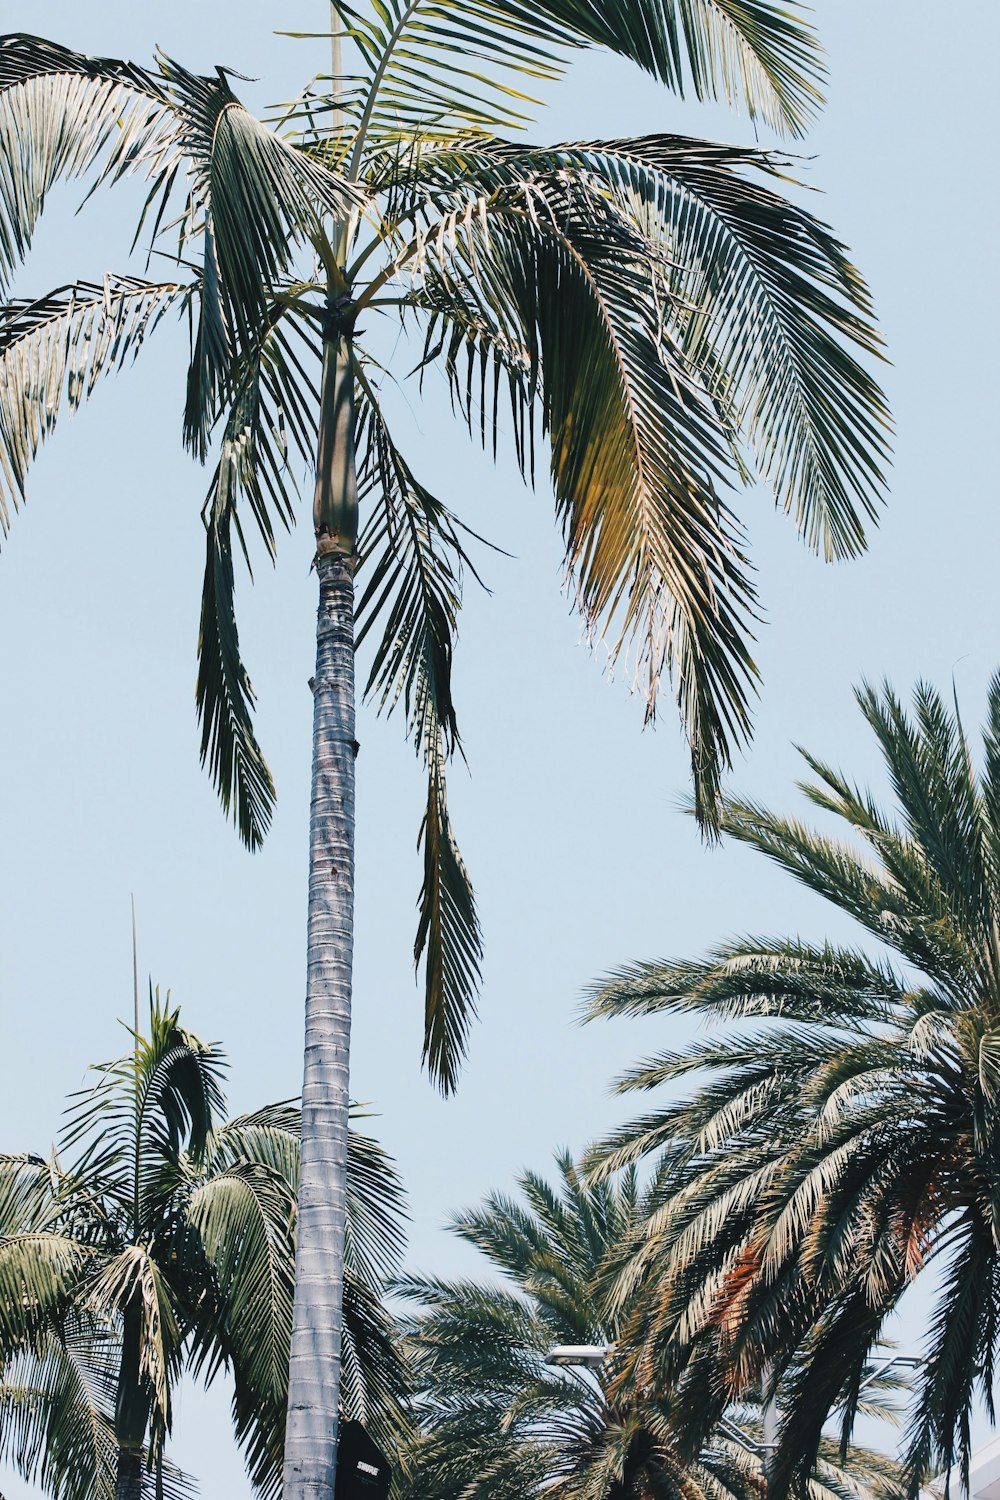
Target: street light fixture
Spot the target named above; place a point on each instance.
(893, 1362)
(588, 1355)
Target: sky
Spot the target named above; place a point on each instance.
(570, 815)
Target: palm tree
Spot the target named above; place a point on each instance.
(848, 1134)
(654, 309)
(495, 1420)
(169, 1242)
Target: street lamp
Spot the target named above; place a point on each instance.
(893, 1362)
(588, 1355)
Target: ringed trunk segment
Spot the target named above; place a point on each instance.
(314, 1375)
(128, 1480)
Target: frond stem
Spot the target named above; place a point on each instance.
(376, 84)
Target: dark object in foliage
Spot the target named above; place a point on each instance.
(363, 1471)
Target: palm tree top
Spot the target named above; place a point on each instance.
(845, 1134)
(158, 1210)
(497, 1420)
(653, 315)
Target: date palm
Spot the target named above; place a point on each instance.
(654, 310)
(162, 1237)
(848, 1134)
(498, 1423)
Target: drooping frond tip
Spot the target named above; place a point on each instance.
(448, 937)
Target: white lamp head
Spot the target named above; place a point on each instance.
(590, 1355)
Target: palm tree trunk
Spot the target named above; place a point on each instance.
(128, 1481)
(130, 1412)
(314, 1375)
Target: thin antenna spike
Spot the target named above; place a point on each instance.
(335, 51)
(135, 976)
(136, 1184)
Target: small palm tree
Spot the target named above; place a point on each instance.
(498, 1423)
(654, 310)
(848, 1134)
(169, 1242)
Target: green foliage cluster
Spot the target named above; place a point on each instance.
(663, 324)
(159, 1238)
(843, 1136)
(656, 315)
(495, 1419)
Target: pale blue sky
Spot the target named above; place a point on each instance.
(569, 820)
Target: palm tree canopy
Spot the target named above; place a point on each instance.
(654, 310)
(495, 1420)
(166, 1211)
(847, 1132)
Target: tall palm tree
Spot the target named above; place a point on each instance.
(653, 308)
(848, 1134)
(496, 1422)
(168, 1241)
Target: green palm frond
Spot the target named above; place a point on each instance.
(923, 932)
(63, 115)
(55, 350)
(27, 1192)
(868, 1470)
(133, 1122)
(244, 1220)
(431, 67)
(225, 694)
(255, 199)
(769, 305)
(757, 56)
(556, 287)
(839, 1349)
(930, 765)
(414, 557)
(268, 433)
(180, 1093)
(961, 1353)
(991, 773)
(754, 977)
(484, 1389)
(38, 1272)
(448, 935)
(376, 1210)
(375, 1377)
(57, 1419)
(845, 1135)
(413, 561)
(56, 1401)
(435, 68)
(757, 293)
(268, 1136)
(133, 1282)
